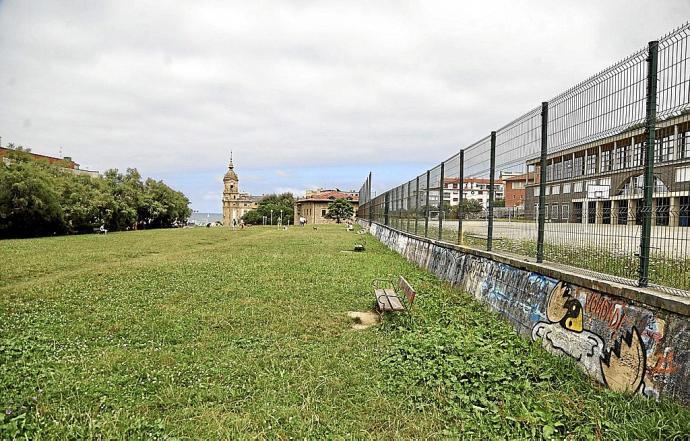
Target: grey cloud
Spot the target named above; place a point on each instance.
(172, 87)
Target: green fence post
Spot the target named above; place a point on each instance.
(492, 192)
(426, 206)
(460, 197)
(416, 207)
(646, 237)
(440, 202)
(542, 181)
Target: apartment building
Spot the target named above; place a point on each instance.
(472, 188)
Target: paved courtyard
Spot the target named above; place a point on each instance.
(671, 242)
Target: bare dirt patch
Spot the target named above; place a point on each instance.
(363, 320)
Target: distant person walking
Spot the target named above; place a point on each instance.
(302, 220)
(241, 224)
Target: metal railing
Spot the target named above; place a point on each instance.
(597, 178)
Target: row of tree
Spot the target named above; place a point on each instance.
(469, 206)
(38, 199)
(273, 206)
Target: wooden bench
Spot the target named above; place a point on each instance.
(98, 230)
(388, 295)
(360, 244)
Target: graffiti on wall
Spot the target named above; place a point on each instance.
(626, 346)
(620, 366)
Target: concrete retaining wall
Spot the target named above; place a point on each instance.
(623, 343)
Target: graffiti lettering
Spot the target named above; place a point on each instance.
(605, 309)
(664, 364)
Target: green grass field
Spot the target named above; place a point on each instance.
(218, 334)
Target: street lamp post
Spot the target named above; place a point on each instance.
(271, 217)
(281, 218)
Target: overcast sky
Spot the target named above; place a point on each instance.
(306, 94)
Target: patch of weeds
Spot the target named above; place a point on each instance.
(461, 362)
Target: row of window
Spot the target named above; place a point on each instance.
(552, 211)
(484, 187)
(573, 187)
(624, 156)
(634, 185)
(309, 212)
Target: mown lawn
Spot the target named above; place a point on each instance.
(218, 334)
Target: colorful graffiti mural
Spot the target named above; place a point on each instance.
(627, 346)
(620, 367)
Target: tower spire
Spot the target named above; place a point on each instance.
(231, 165)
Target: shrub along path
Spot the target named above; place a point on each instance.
(208, 333)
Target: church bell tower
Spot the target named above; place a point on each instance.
(231, 190)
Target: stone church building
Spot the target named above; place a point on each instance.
(235, 203)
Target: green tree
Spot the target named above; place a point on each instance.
(471, 206)
(253, 217)
(29, 203)
(121, 212)
(275, 202)
(163, 206)
(340, 209)
(84, 201)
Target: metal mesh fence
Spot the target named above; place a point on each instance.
(597, 178)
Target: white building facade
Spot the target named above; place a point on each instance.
(472, 189)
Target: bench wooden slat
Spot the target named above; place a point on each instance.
(387, 300)
(405, 287)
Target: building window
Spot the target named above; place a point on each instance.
(566, 188)
(577, 187)
(606, 161)
(518, 185)
(618, 158)
(683, 174)
(558, 170)
(684, 143)
(579, 166)
(565, 211)
(323, 213)
(637, 154)
(554, 212)
(556, 189)
(568, 168)
(664, 149)
(591, 164)
(627, 154)
(536, 191)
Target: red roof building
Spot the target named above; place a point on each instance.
(314, 206)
